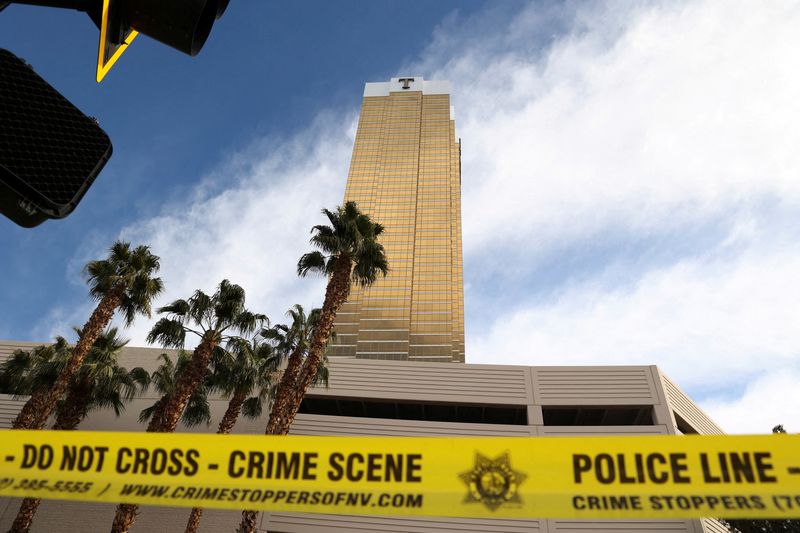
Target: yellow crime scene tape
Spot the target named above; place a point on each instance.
(502, 477)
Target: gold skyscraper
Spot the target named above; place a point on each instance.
(406, 174)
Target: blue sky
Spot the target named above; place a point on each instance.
(630, 191)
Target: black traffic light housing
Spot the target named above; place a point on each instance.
(50, 152)
(181, 24)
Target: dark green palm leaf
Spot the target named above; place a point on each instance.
(312, 262)
(169, 332)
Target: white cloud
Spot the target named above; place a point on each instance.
(59, 321)
(709, 324)
(770, 400)
(682, 116)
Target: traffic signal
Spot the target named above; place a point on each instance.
(181, 24)
(50, 152)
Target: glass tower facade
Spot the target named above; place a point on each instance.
(405, 173)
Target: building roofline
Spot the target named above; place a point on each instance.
(406, 84)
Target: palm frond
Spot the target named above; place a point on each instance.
(147, 413)
(28, 370)
(198, 410)
(131, 270)
(180, 308)
(138, 299)
(311, 262)
(369, 263)
(143, 260)
(253, 407)
(14, 371)
(168, 332)
(101, 277)
(141, 378)
(276, 332)
(333, 216)
(247, 323)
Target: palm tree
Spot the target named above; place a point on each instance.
(122, 281)
(21, 374)
(348, 252)
(248, 368)
(292, 342)
(99, 383)
(163, 379)
(217, 319)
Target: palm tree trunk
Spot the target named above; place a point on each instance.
(225, 427)
(187, 383)
(69, 418)
(248, 523)
(194, 520)
(335, 295)
(22, 523)
(166, 419)
(232, 413)
(27, 414)
(125, 517)
(278, 424)
(37, 409)
(74, 408)
(157, 413)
